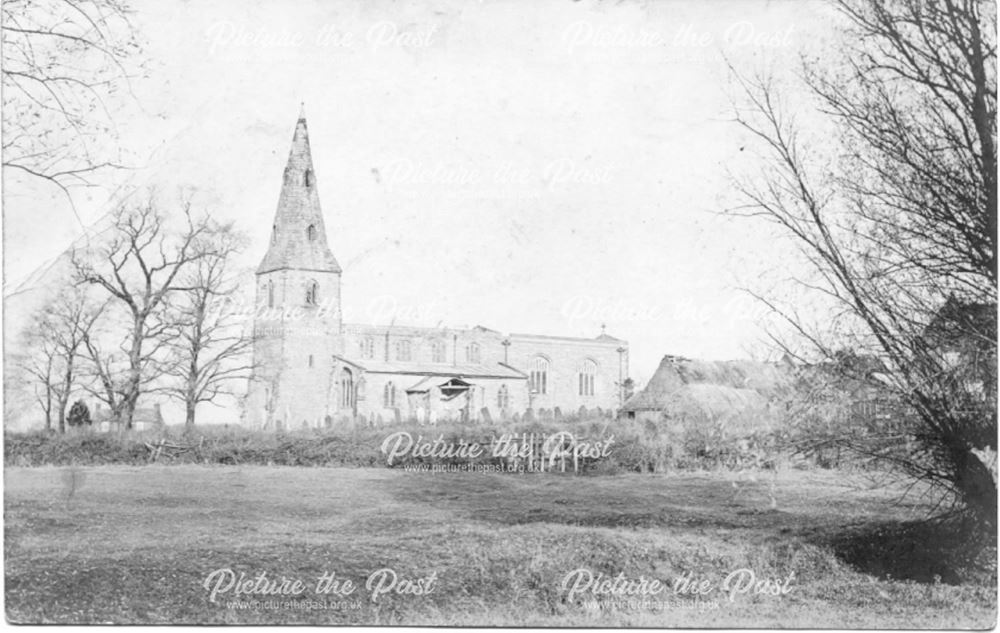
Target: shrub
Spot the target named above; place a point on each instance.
(640, 447)
(79, 414)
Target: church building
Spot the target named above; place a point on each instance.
(313, 370)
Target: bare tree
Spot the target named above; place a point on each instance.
(141, 266)
(210, 348)
(54, 343)
(901, 223)
(69, 322)
(39, 362)
(104, 374)
(66, 65)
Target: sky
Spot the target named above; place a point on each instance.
(545, 167)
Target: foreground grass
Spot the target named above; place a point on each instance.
(135, 544)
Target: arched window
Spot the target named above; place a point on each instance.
(346, 389)
(586, 376)
(311, 232)
(270, 293)
(307, 178)
(312, 293)
(274, 233)
(310, 360)
(437, 352)
(539, 377)
(368, 347)
(503, 398)
(389, 395)
(403, 350)
(472, 353)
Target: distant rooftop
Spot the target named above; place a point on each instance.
(368, 328)
(365, 328)
(603, 338)
(465, 370)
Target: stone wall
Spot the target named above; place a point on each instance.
(294, 349)
(456, 343)
(565, 358)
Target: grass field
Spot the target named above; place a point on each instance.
(123, 544)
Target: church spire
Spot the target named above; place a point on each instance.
(298, 237)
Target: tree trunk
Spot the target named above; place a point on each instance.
(62, 416)
(47, 402)
(128, 408)
(134, 372)
(191, 397)
(62, 398)
(978, 488)
(48, 410)
(189, 419)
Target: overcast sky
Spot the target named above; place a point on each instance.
(543, 166)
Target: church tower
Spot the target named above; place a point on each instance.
(297, 325)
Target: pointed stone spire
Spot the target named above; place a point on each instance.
(298, 237)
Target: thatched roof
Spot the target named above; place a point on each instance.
(683, 386)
